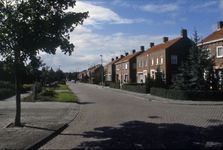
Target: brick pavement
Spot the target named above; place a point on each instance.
(114, 119)
(42, 119)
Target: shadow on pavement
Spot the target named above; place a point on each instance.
(84, 103)
(143, 135)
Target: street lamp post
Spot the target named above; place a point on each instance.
(101, 71)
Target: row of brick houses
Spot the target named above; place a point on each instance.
(168, 55)
(214, 45)
(136, 66)
(95, 69)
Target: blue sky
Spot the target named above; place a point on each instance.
(118, 26)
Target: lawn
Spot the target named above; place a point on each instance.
(65, 96)
(63, 87)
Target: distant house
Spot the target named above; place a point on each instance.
(110, 70)
(168, 55)
(126, 67)
(94, 70)
(214, 45)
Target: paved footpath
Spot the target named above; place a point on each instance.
(42, 120)
(118, 119)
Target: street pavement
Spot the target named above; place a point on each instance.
(118, 119)
(87, 125)
(43, 120)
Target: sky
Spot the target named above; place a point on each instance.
(118, 26)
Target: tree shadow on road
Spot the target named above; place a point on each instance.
(143, 135)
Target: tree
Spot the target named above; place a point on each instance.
(191, 76)
(30, 26)
(158, 82)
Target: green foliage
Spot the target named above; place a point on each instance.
(188, 94)
(135, 88)
(191, 76)
(158, 82)
(115, 85)
(63, 87)
(6, 93)
(149, 83)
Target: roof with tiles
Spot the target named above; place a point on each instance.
(128, 57)
(161, 46)
(214, 36)
(112, 62)
(92, 69)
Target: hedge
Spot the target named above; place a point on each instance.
(134, 88)
(115, 85)
(188, 95)
(6, 93)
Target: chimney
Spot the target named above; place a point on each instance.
(116, 57)
(220, 24)
(183, 33)
(165, 39)
(142, 48)
(133, 51)
(121, 56)
(126, 54)
(112, 59)
(151, 45)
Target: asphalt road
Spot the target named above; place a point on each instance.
(113, 120)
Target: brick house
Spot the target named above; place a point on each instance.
(214, 45)
(126, 67)
(110, 70)
(93, 71)
(168, 55)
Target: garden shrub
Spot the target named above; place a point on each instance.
(6, 93)
(134, 87)
(115, 85)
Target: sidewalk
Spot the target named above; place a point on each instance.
(43, 120)
(153, 98)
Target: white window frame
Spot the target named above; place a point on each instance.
(142, 63)
(152, 62)
(217, 51)
(161, 59)
(117, 67)
(123, 66)
(145, 63)
(138, 63)
(157, 61)
(126, 66)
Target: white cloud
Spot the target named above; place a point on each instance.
(183, 19)
(160, 8)
(205, 7)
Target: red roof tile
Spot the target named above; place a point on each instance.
(214, 36)
(160, 46)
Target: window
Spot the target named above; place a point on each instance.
(134, 66)
(109, 77)
(161, 60)
(142, 63)
(145, 63)
(173, 59)
(219, 51)
(152, 61)
(109, 69)
(123, 66)
(126, 66)
(157, 61)
(126, 78)
(117, 67)
(140, 77)
(208, 53)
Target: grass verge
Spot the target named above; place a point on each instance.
(63, 87)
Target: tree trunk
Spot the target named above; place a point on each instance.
(17, 90)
